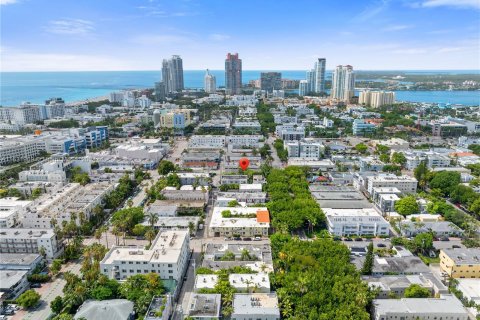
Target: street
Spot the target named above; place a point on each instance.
(48, 292)
(276, 162)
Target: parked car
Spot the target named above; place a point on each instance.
(228, 239)
(257, 239)
(358, 239)
(35, 285)
(247, 239)
(456, 246)
(237, 238)
(444, 239)
(347, 239)
(381, 245)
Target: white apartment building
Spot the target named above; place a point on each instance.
(205, 281)
(191, 178)
(247, 283)
(167, 257)
(247, 222)
(263, 306)
(445, 307)
(327, 123)
(30, 241)
(385, 198)
(305, 148)
(247, 111)
(207, 142)
(431, 158)
(187, 193)
(244, 140)
(11, 209)
(403, 183)
(376, 99)
(13, 283)
(347, 222)
(18, 149)
(72, 199)
(41, 175)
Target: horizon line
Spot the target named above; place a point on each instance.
(159, 70)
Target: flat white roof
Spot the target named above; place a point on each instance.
(364, 212)
(256, 303)
(237, 222)
(260, 280)
(166, 248)
(205, 281)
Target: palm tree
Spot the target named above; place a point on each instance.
(245, 255)
(248, 283)
(191, 227)
(152, 219)
(150, 235)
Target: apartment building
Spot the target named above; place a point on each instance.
(447, 306)
(361, 127)
(349, 222)
(247, 283)
(460, 262)
(207, 142)
(249, 141)
(73, 199)
(28, 240)
(192, 178)
(186, 192)
(167, 257)
(205, 306)
(246, 222)
(11, 209)
(13, 283)
(405, 184)
(305, 148)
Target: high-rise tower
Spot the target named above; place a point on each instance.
(343, 83)
(233, 74)
(210, 82)
(172, 74)
(319, 70)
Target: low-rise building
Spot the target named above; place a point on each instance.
(116, 309)
(245, 141)
(305, 148)
(248, 283)
(205, 281)
(204, 306)
(460, 262)
(470, 289)
(255, 306)
(194, 178)
(439, 228)
(11, 209)
(168, 257)
(201, 159)
(185, 193)
(348, 222)
(207, 142)
(160, 308)
(13, 283)
(405, 184)
(247, 222)
(394, 285)
(20, 261)
(361, 127)
(233, 179)
(445, 307)
(30, 241)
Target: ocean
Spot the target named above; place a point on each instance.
(36, 87)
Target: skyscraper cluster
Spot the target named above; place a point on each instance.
(233, 74)
(172, 78)
(376, 99)
(315, 82)
(210, 82)
(343, 83)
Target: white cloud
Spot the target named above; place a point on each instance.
(452, 3)
(219, 37)
(160, 39)
(372, 10)
(70, 26)
(5, 2)
(450, 49)
(397, 27)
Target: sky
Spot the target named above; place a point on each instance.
(86, 35)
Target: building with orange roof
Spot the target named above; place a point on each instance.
(239, 222)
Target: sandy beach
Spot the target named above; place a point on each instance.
(80, 102)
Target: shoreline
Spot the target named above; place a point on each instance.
(84, 101)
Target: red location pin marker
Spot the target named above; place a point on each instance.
(244, 162)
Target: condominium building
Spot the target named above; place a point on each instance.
(172, 74)
(319, 70)
(348, 222)
(247, 283)
(311, 80)
(447, 129)
(405, 184)
(360, 127)
(168, 257)
(210, 82)
(270, 81)
(204, 306)
(305, 148)
(460, 262)
(13, 283)
(262, 306)
(447, 306)
(233, 74)
(303, 88)
(30, 241)
(343, 83)
(247, 221)
(376, 99)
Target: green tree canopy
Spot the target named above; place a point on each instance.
(407, 205)
(416, 291)
(361, 148)
(28, 299)
(445, 181)
(165, 167)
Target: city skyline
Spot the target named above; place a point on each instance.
(373, 35)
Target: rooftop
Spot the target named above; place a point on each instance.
(204, 305)
(447, 304)
(166, 248)
(256, 303)
(9, 278)
(236, 219)
(463, 255)
(19, 259)
(26, 233)
(116, 309)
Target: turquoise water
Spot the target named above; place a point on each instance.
(36, 87)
